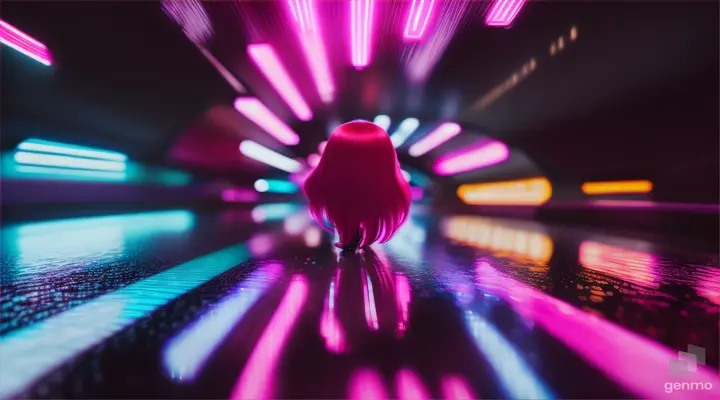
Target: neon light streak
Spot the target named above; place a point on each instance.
(267, 60)
(330, 327)
(409, 386)
(308, 31)
(403, 132)
(382, 121)
(313, 160)
(239, 196)
(272, 212)
(369, 301)
(275, 186)
(266, 156)
(503, 12)
(617, 187)
(29, 353)
(523, 192)
(638, 364)
(418, 18)
(45, 146)
(456, 388)
(402, 293)
(361, 22)
(71, 174)
(440, 135)
(50, 160)
(257, 378)
(187, 353)
(471, 159)
(22, 42)
(254, 110)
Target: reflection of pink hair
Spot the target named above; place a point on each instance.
(358, 186)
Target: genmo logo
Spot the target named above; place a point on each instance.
(683, 386)
(683, 367)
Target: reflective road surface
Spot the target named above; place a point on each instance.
(251, 305)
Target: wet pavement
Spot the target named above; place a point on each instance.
(249, 305)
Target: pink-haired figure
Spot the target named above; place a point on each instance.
(357, 189)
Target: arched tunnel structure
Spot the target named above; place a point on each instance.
(562, 156)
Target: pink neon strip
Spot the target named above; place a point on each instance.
(418, 18)
(503, 12)
(254, 110)
(440, 135)
(632, 266)
(366, 384)
(330, 327)
(638, 364)
(467, 160)
(369, 301)
(361, 21)
(456, 388)
(257, 379)
(321, 146)
(402, 293)
(22, 42)
(408, 386)
(267, 60)
(239, 196)
(304, 14)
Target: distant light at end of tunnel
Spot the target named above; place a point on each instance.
(264, 155)
(23, 43)
(502, 13)
(361, 23)
(523, 192)
(382, 121)
(268, 62)
(617, 187)
(465, 160)
(440, 135)
(418, 18)
(254, 110)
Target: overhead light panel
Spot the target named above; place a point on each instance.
(361, 24)
(418, 18)
(22, 42)
(267, 60)
(264, 155)
(471, 159)
(440, 135)
(502, 13)
(407, 127)
(254, 110)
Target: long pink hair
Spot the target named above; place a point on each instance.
(358, 187)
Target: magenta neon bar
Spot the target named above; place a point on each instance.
(22, 42)
(361, 23)
(503, 12)
(471, 159)
(418, 18)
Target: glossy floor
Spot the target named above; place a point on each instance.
(249, 305)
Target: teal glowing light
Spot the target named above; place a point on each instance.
(45, 146)
(272, 212)
(417, 177)
(52, 160)
(275, 186)
(72, 174)
(29, 353)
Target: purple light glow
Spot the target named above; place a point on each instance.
(456, 388)
(503, 12)
(440, 135)
(417, 193)
(254, 110)
(367, 384)
(304, 14)
(402, 293)
(239, 196)
(22, 42)
(418, 18)
(267, 60)
(313, 160)
(361, 22)
(471, 159)
(409, 386)
(638, 364)
(258, 377)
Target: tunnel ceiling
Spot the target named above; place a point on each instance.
(129, 71)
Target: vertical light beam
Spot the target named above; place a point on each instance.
(361, 23)
(418, 18)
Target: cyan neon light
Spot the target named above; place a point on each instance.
(71, 174)
(417, 177)
(29, 353)
(275, 186)
(402, 133)
(45, 146)
(50, 160)
(272, 212)
(187, 353)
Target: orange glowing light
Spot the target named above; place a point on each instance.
(524, 192)
(617, 187)
(504, 240)
(631, 266)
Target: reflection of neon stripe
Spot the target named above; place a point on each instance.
(256, 381)
(456, 388)
(402, 291)
(409, 386)
(369, 301)
(330, 327)
(28, 354)
(187, 353)
(638, 364)
(366, 384)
